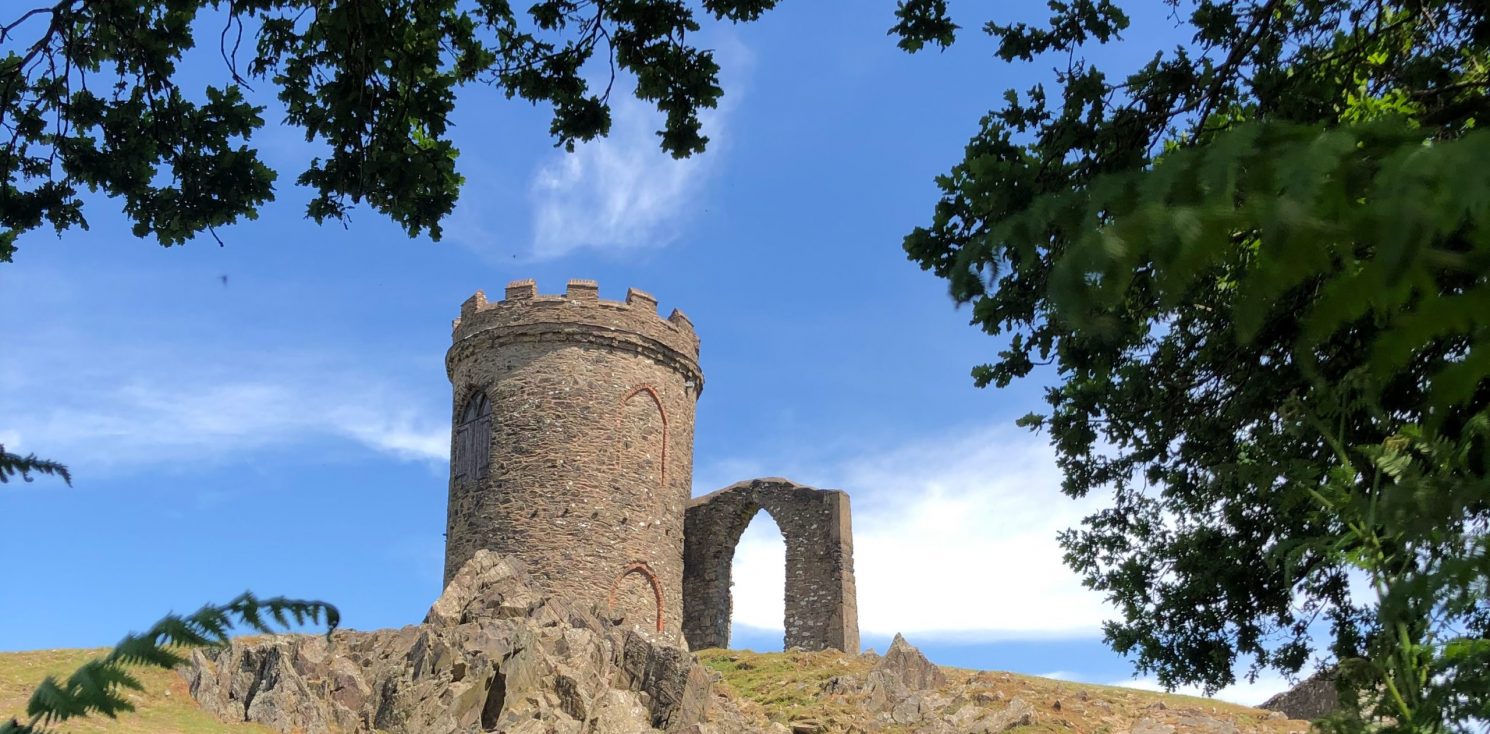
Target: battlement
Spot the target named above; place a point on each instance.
(580, 308)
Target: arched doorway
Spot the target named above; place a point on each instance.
(758, 586)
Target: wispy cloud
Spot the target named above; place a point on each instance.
(622, 192)
(954, 536)
(1246, 693)
(131, 406)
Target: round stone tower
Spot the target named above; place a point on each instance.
(572, 446)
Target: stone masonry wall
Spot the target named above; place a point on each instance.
(591, 445)
(821, 603)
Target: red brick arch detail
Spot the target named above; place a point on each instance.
(621, 413)
(646, 571)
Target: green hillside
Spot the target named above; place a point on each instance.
(783, 687)
(164, 707)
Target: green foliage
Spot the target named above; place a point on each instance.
(13, 465)
(1423, 543)
(919, 22)
(91, 97)
(98, 687)
(1260, 268)
(1386, 224)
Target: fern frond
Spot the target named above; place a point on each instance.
(16, 727)
(12, 465)
(97, 685)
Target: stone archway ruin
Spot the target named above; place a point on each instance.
(821, 606)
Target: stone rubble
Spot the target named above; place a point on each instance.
(493, 654)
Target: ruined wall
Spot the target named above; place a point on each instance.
(821, 606)
(588, 441)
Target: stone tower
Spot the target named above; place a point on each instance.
(572, 446)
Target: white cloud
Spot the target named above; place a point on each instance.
(622, 192)
(1061, 675)
(1242, 692)
(954, 536)
(408, 434)
(133, 406)
(760, 575)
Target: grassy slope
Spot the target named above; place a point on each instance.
(164, 707)
(787, 687)
(782, 686)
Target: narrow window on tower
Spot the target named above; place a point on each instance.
(472, 460)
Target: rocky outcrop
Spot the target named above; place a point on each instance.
(902, 684)
(1314, 697)
(904, 689)
(905, 667)
(493, 654)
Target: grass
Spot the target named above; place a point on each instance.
(164, 707)
(788, 687)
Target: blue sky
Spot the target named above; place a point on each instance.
(285, 430)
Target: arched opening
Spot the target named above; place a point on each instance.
(758, 587)
(471, 460)
(641, 439)
(636, 589)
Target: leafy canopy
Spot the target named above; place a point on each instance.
(91, 97)
(1259, 268)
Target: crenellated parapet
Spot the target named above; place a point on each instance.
(580, 315)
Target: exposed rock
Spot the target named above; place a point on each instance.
(492, 655)
(905, 691)
(726, 717)
(909, 667)
(896, 681)
(917, 707)
(842, 685)
(981, 721)
(1313, 698)
(1018, 713)
(1205, 725)
(1149, 726)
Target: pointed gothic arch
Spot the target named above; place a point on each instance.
(642, 392)
(471, 459)
(646, 572)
